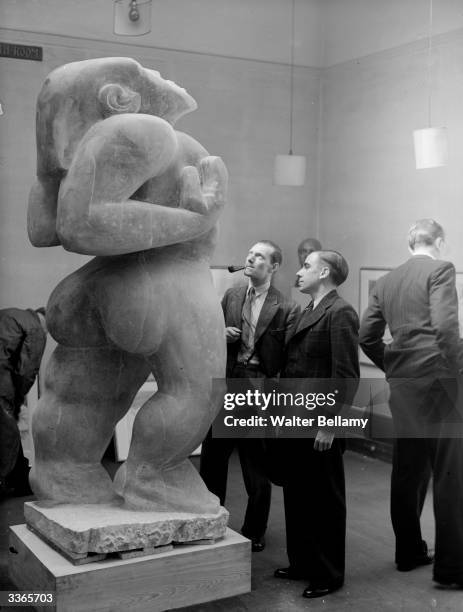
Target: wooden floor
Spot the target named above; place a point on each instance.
(372, 583)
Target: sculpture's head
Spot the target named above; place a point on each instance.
(77, 95)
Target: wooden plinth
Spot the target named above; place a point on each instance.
(184, 576)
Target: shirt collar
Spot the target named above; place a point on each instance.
(332, 292)
(424, 255)
(260, 290)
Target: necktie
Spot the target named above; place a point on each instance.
(309, 307)
(307, 310)
(246, 318)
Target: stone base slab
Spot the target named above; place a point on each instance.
(184, 576)
(107, 528)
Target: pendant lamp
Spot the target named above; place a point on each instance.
(290, 169)
(132, 17)
(431, 149)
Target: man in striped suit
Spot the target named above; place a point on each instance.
(418, 302)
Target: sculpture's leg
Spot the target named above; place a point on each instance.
(86, 392)
(170, 425)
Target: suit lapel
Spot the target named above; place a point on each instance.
(235, 306)
(310, 318)
(269, 309)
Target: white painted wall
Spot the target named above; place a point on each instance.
(356, 28)
(357, 139)
(327, 31)
(370, 191)
(250, 29)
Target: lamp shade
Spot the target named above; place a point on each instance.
(430, 147)
(289, 170)
(132, 18)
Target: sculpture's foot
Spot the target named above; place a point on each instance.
(175, 489)
(70, 483)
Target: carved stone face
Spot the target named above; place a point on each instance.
(77, 95)
(163, 98)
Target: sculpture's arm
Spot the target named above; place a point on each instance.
(96, 215)
(41, 212)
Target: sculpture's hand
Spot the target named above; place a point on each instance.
(204, 192)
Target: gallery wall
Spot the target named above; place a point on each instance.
(249, 29)
(327, 32)
(370, 191)
(356, 28)
(354, 119)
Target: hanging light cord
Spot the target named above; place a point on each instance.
(430, 60)
(291, 94)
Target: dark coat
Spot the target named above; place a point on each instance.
(324, 342)
(22, 342)
(418, 301)
(275, 323)
(323, 345)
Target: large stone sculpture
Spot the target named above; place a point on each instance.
(115, 180)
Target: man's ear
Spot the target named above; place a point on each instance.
(325, 272)
(439, 243)
(275, 267)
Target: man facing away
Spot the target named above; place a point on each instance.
(323, 345)
(418, 302)
(257, 318)
(22, 342)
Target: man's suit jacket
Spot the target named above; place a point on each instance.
(418, 301)
(324, 342)
(323, 345)
(275, 322)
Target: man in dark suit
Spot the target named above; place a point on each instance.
(323, 345)
(257, 320)
(418, 301)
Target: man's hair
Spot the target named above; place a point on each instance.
(338, 266)
(276, 255)
(315, 245)
(424, 232)
(40, 310)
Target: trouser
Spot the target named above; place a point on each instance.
(215, 455)
(421, 413)
(315, 512)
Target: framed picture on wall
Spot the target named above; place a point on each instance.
(368, 278)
